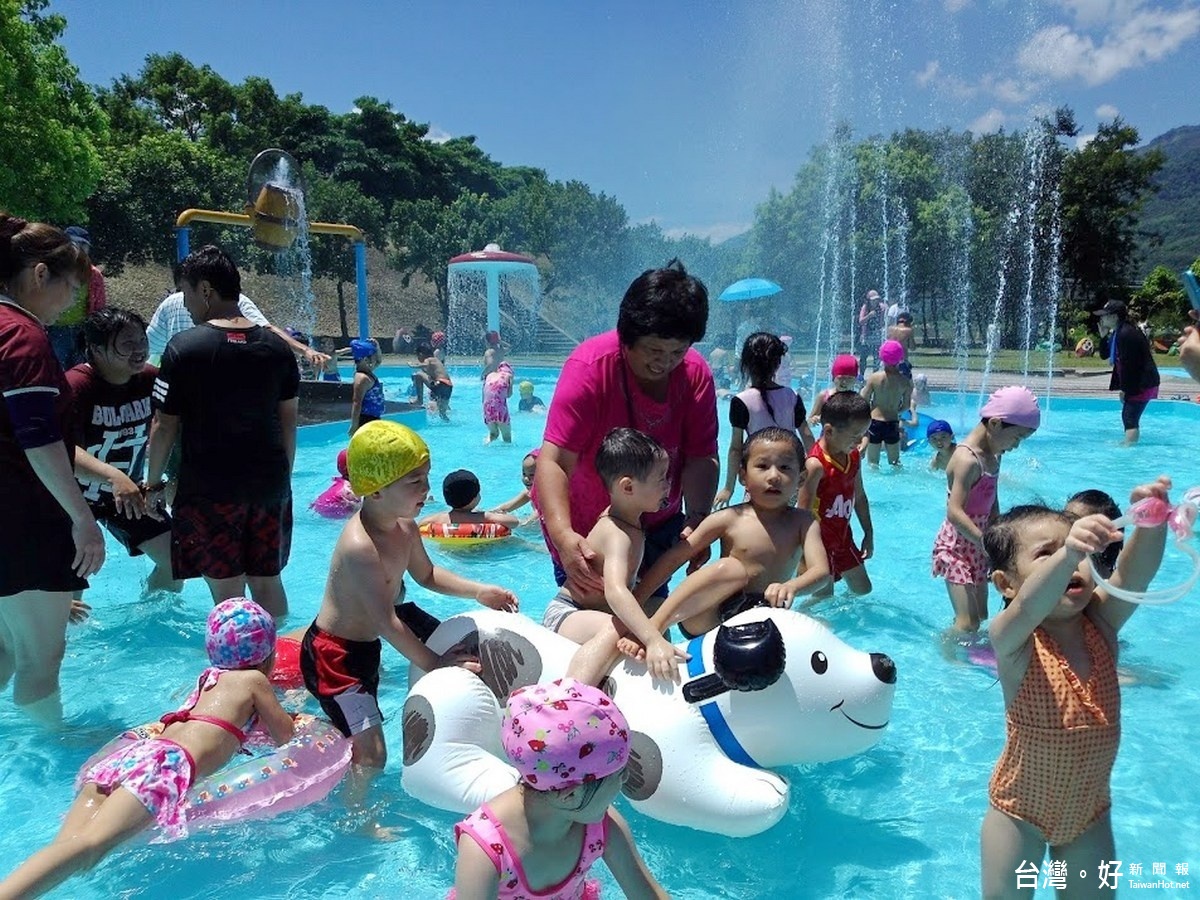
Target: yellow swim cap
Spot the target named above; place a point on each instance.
(382, 451)
(525, 387)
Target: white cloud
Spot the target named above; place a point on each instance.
(1007, 90)
(990, 121)
(1132, 36)
(716, 232)
(1082, 140)
(1107, 111)
(929, 73)
(437, 135)
(953, 6)
(1098, 12)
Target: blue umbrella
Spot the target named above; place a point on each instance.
(750, 289)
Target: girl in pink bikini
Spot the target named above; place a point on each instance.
(147, 781)
(1010, 415)
(570, 744)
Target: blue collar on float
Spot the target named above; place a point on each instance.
(713, 717)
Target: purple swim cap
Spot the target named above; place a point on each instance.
(562, 734)
(240, 634)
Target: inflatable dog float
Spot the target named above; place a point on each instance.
(769, 688)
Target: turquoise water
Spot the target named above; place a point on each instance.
(901, 820)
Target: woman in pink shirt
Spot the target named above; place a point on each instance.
(643, 375)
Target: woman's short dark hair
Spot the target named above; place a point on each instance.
(666, 303)
(212, 264)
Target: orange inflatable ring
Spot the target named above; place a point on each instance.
(465, 535)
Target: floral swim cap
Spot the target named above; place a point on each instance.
(563, 734)
(382, 451)
(240, 634)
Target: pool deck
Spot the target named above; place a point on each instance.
(1091, 383)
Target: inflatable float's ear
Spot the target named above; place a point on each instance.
(644, 771)
(747, 657)
(418, 728)
(509, 661)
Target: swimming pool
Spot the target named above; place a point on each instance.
(901, 820)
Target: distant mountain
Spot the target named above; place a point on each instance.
(1173, 214)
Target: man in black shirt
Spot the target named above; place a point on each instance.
(231, 386)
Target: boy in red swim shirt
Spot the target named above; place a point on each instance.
(833, 489)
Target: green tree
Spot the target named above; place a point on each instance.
(50, 123)
(427, 234)
(1160, 299)
(144, 188)
(329, 200)
(1103, 188)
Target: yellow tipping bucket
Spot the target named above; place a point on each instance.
(276, 215)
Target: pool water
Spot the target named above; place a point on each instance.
(901, 820)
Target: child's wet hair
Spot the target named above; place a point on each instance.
(761, 354)
(1002, 538)
(772, 435)
(843, 408)
(627, 451)
(1097, 501)
(100, 329)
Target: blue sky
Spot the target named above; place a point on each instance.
(687, 111)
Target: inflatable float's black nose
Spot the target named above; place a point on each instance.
(748, 657)
(884, 668)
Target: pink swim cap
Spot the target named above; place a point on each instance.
(1013, 405)
(563, 734)
(845, 365)
(891, 353)
(240, 634)
(342, 467)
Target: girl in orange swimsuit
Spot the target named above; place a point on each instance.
(1056, 648)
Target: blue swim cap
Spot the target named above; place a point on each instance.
(938, 426)
(361, 349)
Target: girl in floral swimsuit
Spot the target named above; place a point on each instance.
(570, 744)
(147, 781)
(1010, 415)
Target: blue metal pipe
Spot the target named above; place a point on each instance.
(182, 242)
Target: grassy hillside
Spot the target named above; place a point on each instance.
(142, 287)
(1173, 214)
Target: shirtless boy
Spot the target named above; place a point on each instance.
(364, 593)
(633, 467)
(431, 372)
(460, 490)
(889, 393)
(764, 544)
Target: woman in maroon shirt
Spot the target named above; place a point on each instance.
(49, 539)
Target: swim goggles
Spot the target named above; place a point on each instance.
(1150, 512)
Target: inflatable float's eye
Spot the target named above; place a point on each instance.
(819, 663)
